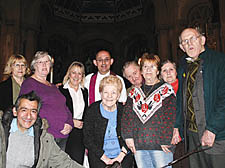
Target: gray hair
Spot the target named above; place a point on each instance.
(169, 61)
(198, 30)
(38, 55)
(127, 64)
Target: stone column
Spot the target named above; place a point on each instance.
(163, 42)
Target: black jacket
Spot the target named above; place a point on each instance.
(6, 94)
(69, 101)
(95, 126)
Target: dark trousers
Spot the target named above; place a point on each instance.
(179, 152)
(75, 146)
(61, 142)
(202, 159)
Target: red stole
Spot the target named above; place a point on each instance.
(92, 87)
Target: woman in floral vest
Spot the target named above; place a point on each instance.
(149, 116)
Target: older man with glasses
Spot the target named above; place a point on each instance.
(201, 101)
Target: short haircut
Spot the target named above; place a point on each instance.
(75, 64)
(169, 61)
(12, 59)
(101, 51)
(127, 64)
(146, 57)
(38, 55)
(197, 29)
(31, 96)
(111, 80)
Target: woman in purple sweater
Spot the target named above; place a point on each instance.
(54, 107)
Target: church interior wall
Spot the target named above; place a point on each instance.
(28, 26)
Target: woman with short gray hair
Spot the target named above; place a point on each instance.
(54, 107)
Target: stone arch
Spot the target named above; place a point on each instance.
(201, 16)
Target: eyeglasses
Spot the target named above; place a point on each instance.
(103, 60)
(19, 65)
(43, 62)
(190, 40)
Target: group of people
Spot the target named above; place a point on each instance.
(56, 126)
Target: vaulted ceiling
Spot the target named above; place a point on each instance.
(97, 11)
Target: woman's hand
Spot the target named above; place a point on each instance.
(78, 123)
(106, 160)
(165, 148)
(121, 156)
(130, 144)
(176, 137)
(66, 130)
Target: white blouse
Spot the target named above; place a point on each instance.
(78, 101)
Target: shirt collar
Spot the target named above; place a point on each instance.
(14, 128)
(107, 74)
(67, 86)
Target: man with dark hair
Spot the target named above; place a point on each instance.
(103, 62)
(24, 141)
(201, 101)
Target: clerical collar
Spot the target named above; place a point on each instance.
(15, 128)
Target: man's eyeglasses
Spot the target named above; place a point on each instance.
(103, 60)
(190, 40)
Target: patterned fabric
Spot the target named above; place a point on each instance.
(192, 70)
(145, 107)
(158, 129)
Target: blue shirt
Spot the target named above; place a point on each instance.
(111, 145)
(14, 128)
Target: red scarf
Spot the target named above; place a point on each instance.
(175, 86)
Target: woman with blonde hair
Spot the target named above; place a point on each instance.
(15, 71)
(102, 127)
(77, 101)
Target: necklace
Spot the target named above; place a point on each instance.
(147, 93)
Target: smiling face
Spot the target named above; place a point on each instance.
(149, 71)
(42, 66)
(192, 43)
(168, 73)
(133, 74)
(75, 76)
(103, 62)
(109, 95)
(18, 69)
(26, 114)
